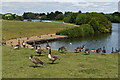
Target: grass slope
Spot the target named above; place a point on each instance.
(15, 29)
(72, 65)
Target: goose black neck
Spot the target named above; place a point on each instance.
(49, 51)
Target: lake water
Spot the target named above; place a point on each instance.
(46, 21)
(91, 42)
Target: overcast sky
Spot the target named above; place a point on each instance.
(21, 6)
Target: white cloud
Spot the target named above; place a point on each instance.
(21, 7)
(83, 4)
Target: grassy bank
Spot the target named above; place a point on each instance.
(16, 29)
(72, 65)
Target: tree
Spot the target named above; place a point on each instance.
(94, 23)
(82, 19)
(73, 18)
(59, 17)
(79, 11)
(67, 17)
(29, 15)
(19, 18)
(44, 17)
(100, 23)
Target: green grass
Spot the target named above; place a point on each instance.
(72, 65)
(16, 29)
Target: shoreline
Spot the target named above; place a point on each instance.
(33, 39)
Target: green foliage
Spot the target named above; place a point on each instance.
(90, 23)
(115, 17)
(59, 17)
(87, 29)
(73, 18)
(83, 30)
(100, 23)
(44, 17)
(19, 18)
(67, 17)
(82, 19)
(94, 23)
(30, 15)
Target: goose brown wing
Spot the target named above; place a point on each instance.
(36, 60)
(55, 57)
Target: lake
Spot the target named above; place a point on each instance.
(91, 42)
(45, 21)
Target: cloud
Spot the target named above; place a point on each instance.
(21, 7)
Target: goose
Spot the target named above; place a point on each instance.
(62, 49)
(117, 51)
(16, 47)
(87, 51)
(47, 46)
(77, 49)
(82, 48)
(35, 60)
(39, 51)
(103, 51)
(51, 57)
(93, 50)
(32, 47)
(98, 50)
(113, 50)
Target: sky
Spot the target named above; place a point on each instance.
(40, 6)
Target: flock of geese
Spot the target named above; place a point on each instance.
(53, 58)
(62, 49)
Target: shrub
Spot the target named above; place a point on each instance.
(83, 30)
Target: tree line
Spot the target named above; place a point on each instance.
(69, 17)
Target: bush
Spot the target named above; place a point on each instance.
(100, 23)
(82, 19)
(81, 31)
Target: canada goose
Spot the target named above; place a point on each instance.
(113, 50)
(82, 48)
(39, 51)
(103, 51)
(2, 44)
(51, 57)
(117, 51)
(77, 49)
(47, 46)
(62, 49)
(16, 47)
(87, 51)
(93, 50)
(35, 60)
(98, 50)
